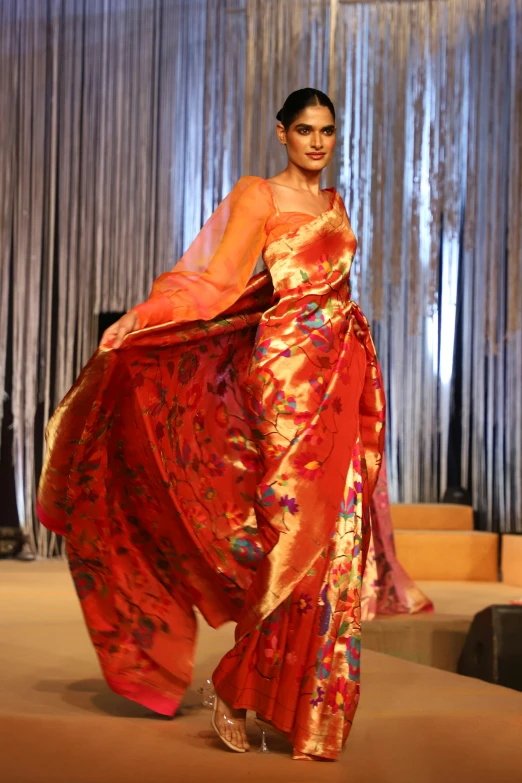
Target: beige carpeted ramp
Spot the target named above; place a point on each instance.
(59, 723)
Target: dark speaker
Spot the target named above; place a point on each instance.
(493, 647)
(11, 541)
(457, 495)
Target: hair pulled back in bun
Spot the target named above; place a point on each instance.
(298, 101)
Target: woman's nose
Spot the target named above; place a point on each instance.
(316, 141)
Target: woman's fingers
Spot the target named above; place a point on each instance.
(115, 334)
(121, 333)
(108, 335)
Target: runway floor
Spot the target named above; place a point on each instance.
(59, 723)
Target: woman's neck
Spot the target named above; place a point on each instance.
(299, 179)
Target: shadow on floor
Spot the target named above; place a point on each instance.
(94, 695)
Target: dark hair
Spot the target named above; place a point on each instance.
(299, 100)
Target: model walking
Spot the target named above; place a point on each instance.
(220, 451)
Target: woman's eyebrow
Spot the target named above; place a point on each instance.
(305, 125)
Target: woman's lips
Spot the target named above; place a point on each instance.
(316, 155)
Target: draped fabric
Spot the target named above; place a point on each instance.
(125, 123)
(228, 464)
(387, 588)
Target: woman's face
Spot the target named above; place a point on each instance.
(310, 139)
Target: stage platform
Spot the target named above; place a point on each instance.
(59, 723)
(436, 638)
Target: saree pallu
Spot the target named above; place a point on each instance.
(227, 465)
(387, 588)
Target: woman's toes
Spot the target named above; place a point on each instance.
(230, 734)
(231, 725)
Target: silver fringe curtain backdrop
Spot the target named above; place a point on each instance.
(125, 122)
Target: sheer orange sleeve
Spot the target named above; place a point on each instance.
(216, 268)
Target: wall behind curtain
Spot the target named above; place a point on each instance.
(126, 121)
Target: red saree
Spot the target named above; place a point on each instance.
(228, 464)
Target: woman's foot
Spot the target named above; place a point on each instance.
(298, 756)
(229, 725)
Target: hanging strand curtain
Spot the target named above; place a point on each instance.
(126, 121)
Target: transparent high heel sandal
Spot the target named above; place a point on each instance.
(232, 723)
(208, 693)
(263, 727)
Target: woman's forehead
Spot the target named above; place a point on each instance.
(314, 115)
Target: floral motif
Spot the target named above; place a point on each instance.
(324, 660)
(317, 382)
(339, 574)
(323, 339)
(262, 349)
(284, 404)
(353, 656)
(215, 465)
(338, 695)
(229, 519)
(144, 633)
(222, 415)
(324, 267)
(272, 652)
(274, 451)
(84, 584)
(304, 603)
(317, 696)
(188, 367)
(307, 466)
(138, 380)
(246, 550)
(347, 509)
(302, 418)
(250, 459)
(194, 396)
(310, 318)
(313, 438)
(265, 495)
(289, 503)
(183, 452)
(238, 439)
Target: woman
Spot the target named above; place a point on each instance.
(220, 451)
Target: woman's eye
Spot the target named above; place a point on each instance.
(302, 131)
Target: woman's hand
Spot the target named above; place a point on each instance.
(113, 336)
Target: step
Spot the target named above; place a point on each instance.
(431, 516)
(462, 555)
(511, 560)
(436, 638)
